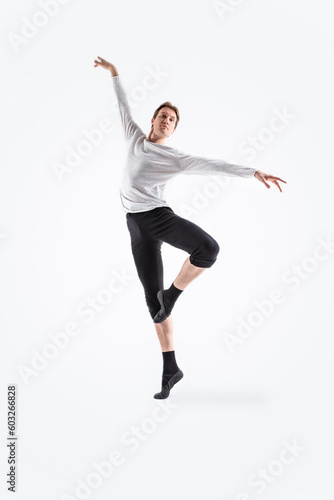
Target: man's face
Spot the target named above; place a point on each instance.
(164, 122)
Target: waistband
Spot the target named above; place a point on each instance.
(156, 209)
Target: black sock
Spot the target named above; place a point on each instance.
(167, 299)
(171, 295)
(171, 375)
(170, 366)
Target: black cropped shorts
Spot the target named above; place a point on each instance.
(148, 230)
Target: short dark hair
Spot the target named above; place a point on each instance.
(168, 104)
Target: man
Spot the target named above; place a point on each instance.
(150, 165)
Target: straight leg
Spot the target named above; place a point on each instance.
(148, 231)
(165, 334)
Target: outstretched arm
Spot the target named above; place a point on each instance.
(200, 165)
(130, 127)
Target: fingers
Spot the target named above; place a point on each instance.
(98, 63)
(264, 182)
(276, 183)
(273, 179)
(276, 178)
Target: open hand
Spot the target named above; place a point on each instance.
(263, 177)
(106, 65)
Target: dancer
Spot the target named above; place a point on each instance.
(150, 165)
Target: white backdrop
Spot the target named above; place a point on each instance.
(254, 334)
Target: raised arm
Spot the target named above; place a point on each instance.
(130, 127)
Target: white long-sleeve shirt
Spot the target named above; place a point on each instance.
(150, 166)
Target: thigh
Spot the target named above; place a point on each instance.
(163, 224)
(148, 261)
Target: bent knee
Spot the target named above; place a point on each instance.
(211, 249)
(206, 254)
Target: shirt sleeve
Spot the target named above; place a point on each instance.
(201, 165)
(130, 127)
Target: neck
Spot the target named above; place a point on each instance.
(152, 137)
